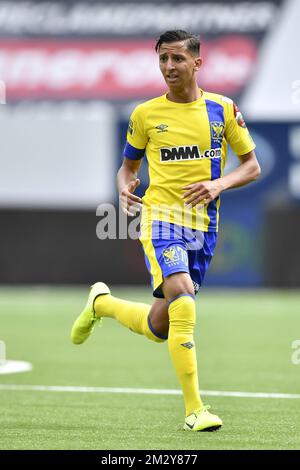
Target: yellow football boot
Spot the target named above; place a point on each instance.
(86, 321)
(202, 420)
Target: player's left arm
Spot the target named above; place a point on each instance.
(206, 191)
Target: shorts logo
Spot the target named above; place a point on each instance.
(170, 255)
(188, 152)
(217, 130)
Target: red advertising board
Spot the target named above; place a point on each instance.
(114, 69)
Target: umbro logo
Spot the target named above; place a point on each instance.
(190, 425)
(161, 128)
(188, 345)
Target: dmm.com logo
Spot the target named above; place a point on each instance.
(188, 152)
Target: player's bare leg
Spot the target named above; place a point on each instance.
(159, 316)
(177, 284)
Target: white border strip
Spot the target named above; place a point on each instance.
(144, 391)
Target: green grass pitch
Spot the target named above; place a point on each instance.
(244, 343)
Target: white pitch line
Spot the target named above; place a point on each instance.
(144, 391)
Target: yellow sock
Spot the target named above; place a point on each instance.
(133, 315)
(182, 314)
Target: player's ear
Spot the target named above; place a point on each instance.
(198, 63)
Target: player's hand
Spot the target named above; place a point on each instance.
(130, 203)
(202, 193)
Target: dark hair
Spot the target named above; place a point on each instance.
(192, 41)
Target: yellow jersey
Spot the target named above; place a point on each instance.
(184, 143)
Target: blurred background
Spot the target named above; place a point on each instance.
(71, 73)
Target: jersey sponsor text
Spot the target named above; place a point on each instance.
(187, 152)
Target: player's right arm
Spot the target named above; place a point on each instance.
(133, 154)
(127, 183)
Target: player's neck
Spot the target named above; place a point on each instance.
(187, 95)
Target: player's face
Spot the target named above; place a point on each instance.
(177, 64)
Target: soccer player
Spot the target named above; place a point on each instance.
(185, 134)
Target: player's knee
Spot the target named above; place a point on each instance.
(176, 285)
